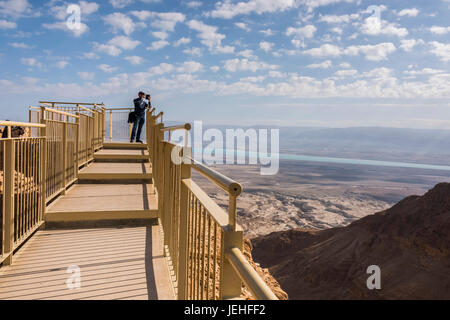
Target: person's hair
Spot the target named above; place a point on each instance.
(140, 92)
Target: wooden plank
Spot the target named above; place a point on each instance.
(115, 263)
(65, 216)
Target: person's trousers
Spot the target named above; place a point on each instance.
(137, 126)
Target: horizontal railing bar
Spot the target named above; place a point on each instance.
(232, 187)
(113, 109)
(259, 289)
(62, 113)
(186, 126)
(73, 103)
(21, 124)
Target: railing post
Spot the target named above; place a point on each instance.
(231, 284)
(8, 200)
(183, 246)
(77, 145)
(44, 164)
(87, 138)
(110, 126)
(64, 156)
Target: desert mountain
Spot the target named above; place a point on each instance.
(410, 242)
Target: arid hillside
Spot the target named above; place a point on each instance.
(410, 242)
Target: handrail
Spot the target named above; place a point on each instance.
(72, 103)
(21, 124)
(118, 109)
(186, 126)
(259, 289)
(61, 113)
(228, 185)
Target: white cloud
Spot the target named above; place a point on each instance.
(88, 8)
(61, 64)
(107, 68)
(247, 53)
(214, 68)
(193, 51)
(312, 4)
(120, 22)
(372, 52)
(124, 42)
(160, 69)
(323, 65)
(19, 45)
(409, 12)
(119, 4)
(234, 65)
(346, 18)
(164, 21)
(424, 71)
(158, 45)
(266, 46)
(193, 4)
(108, 49)
(190, 67)
(7, 24)
(31, 62)
(376, 52)
(181, 41)
(303, 32)
(135, 60)
(345, 65)
(228, 10)
(439, 30)
(210, 37)
(409, 44)
(373, 26)
(86, 75)
(15, 8)
(62, 25)
(346, 73)
(441, 50)
(242, 26)
(267, 32)
(324, 50)
(115, 46)
(90, 55)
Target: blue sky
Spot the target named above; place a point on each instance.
(273, 62)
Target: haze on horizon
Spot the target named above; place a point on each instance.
(245, 62)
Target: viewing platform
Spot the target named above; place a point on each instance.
(88, 219)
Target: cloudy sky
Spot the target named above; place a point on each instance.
(282, 62)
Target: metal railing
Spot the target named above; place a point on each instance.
(22, 188)
(38, 167)
(117, 126)
(203, 243)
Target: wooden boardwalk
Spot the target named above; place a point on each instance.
(116, 262)
(125, 263)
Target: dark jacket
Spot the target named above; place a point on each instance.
(139, 106)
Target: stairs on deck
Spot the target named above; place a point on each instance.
(116, 187)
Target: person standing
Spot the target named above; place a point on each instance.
(140, 105)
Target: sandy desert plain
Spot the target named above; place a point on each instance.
(317, 195)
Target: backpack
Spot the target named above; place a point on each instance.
(131, 117)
